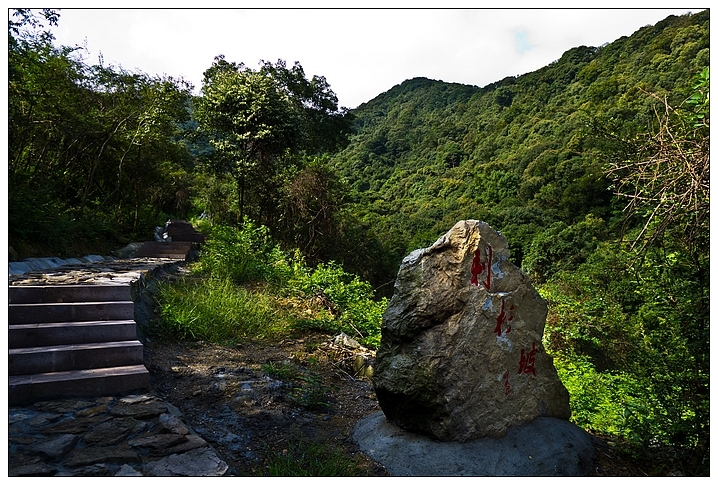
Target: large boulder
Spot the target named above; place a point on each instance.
(461, 355)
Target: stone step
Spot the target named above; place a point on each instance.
(66, 333)
(170, 250)
(57, 358)
(23, 313)
(77, 383)
(68, 293)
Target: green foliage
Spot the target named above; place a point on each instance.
(640, 336)
(284, 371)
(217, 311)
(244, 255)
(349, 302)
(310, 459)
(549, 158)
(97, 142)
(257, 124)
(561, 247)
(427, 154)
(602, 401)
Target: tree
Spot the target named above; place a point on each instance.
(250, 124)
(260, 123)
(91, 146)
(666, 181)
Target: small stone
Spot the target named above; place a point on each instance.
(33, 470)
(140, 410)
(202, 462)
(16, 417)
(172, 424)
(136, 398)
(127, 471)
(158, 441)
(56, 446)
(192, 442)
(113, 431)
(44, 419)
(98, 470)
(63, 406)
(76, 425)
(101, 454)
(196, 393)
(173, 410)
(93, 411)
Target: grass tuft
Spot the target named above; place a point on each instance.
(310, 459)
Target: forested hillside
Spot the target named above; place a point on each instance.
(523, 153)
(595, 168)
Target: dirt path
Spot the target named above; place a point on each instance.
(258, 400)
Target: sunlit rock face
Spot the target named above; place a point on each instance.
(461, 356)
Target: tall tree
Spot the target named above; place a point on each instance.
(86, 143)
(261, 122)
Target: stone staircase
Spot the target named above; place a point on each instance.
(72, 341)
(182, 238)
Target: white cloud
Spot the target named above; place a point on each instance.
(362, 53)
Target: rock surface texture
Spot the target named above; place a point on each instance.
(542, 447)
(461, 356)
(137, 435)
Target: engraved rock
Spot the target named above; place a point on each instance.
(461, 355)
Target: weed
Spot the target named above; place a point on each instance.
(310, 459)
(285, 370)
(312, 393)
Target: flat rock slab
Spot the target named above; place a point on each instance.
(545, 446)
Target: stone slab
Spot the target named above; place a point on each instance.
(545, 446)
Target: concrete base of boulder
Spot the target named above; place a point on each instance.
(543, 447)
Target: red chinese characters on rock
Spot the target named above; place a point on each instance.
(481, 267)
(527, 362)
(507, 386)
(504, 317)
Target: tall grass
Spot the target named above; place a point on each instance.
(218, 311)
(219, 306)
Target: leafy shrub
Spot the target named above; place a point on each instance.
(243, 255)
(601, 401)
(349, 301)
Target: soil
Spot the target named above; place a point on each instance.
(257, 401)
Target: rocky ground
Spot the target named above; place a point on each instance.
(215, 410)
(310, 394)
(256, 401)
(251, 404)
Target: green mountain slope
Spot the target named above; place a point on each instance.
(523, 153)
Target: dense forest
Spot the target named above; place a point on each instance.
(595, 168)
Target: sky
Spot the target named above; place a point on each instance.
(362, 52)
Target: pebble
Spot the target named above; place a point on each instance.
(138, 435)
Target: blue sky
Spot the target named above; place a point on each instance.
(361, 52)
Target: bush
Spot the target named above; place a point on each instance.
(349, 301)
(244, 255)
